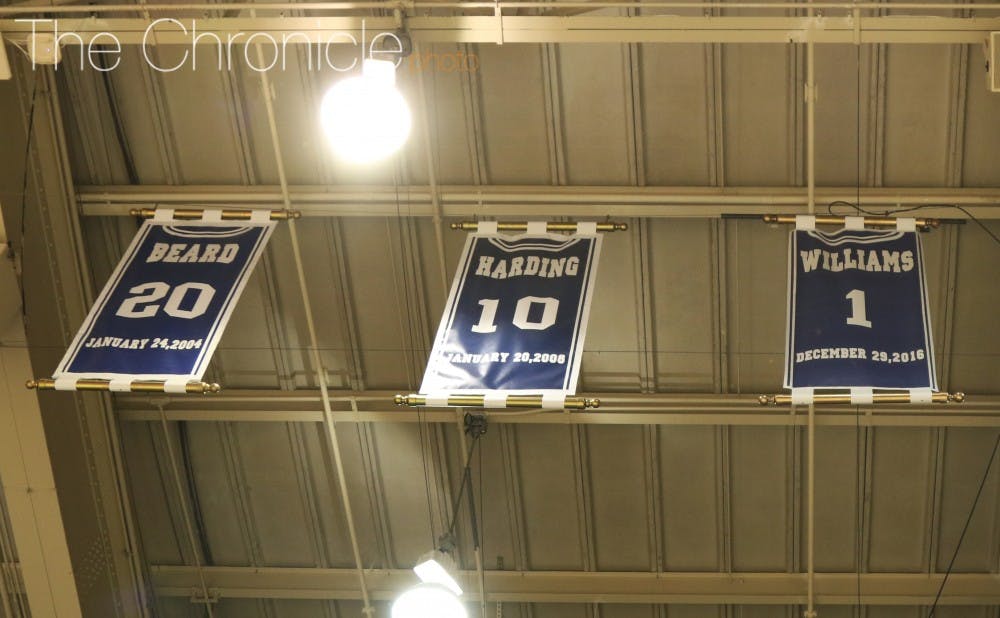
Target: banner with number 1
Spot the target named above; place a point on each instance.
(857, 311)
(163, 311)
(516, 316)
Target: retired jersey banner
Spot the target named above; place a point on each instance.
(163, 311)
(516, 316)
(857, 311)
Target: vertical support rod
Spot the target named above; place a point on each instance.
(432, 175)
(328, 422)
(811, 123)
(811, 455)
(811, 514)
(480, 573)
(188, 527)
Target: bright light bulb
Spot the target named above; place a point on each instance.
(433, 571)
(428, 601)
(365, 117)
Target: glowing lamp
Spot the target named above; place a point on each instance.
(365, 117)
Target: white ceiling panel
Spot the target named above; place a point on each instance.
(621, 497)
(762, 526)
(982, 118)
(678, 131)
(759, 115)
(555, 543)
(684, 340)
(595, 96)
(692, 501)
(917, 114)
(900, 475)
(516, 131)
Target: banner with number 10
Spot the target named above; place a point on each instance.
(516, 316)
(857, 311)
(163, 311)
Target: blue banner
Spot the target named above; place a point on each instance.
(516, 316)
(163, 311)
(857, 311)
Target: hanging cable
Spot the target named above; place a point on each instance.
(24, 196)
(965, 528)
(861, 483)
(475, 426)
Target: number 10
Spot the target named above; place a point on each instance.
(858, 315)
(489, 305)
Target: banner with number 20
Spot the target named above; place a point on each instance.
(164, 309)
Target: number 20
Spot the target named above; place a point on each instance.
(156, 291)
(489, 305)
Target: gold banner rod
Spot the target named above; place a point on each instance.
(194, 388)
(227, 215)
(845, 398)
(552, 226)
(513, 401)
(922, 224)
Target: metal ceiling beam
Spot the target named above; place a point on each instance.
(528, 29)
(616, 409)
(28, 486)
(82, 436)
(541, 200)
(592, 587)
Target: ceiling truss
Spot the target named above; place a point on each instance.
(553, 201)
(590, 587)
(616, 409)
(840, 27)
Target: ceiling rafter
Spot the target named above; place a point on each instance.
(957, 114)
(540, 29)
(595, 587)
(303, 406)
(537, 200)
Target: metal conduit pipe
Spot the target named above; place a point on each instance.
(205, 599)
(133, 197)
(329, 424)
(811, 427)
(432, 177)
(480, 573)
(409, 5)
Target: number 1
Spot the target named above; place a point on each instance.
(858, 316)
(486, 324)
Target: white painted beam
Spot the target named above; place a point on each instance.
(463, 28)
(616, 409)
(590, 587)
(26, 472)
(539, 200)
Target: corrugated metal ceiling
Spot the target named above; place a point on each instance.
(687, 306)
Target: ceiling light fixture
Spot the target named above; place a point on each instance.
(437, 595)
(428, 601)
(365, 117)
(437, 567)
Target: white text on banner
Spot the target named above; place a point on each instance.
(163, 311)
(516, 316)
(857, 311)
